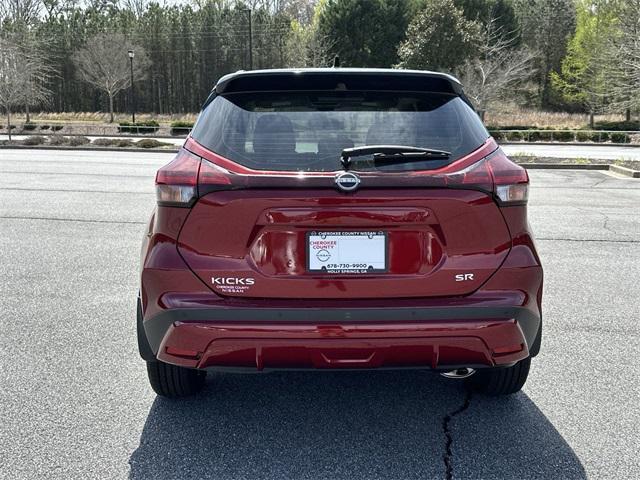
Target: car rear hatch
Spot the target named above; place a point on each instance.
(271, 218)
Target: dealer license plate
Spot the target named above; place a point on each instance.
(347, 252)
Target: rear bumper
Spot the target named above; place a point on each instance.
(270, 338)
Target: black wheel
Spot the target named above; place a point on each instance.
(500, 381)
(174, 382)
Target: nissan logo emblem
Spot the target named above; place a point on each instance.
(347, 181)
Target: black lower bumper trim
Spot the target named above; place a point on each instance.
(156, 327)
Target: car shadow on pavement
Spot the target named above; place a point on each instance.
(345, 425)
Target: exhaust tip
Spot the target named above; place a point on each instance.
(458, 373)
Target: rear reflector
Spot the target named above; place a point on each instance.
(181, 352)
(508, 349)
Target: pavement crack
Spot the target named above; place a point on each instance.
(448, 436)
(608, 228)
(605, 225)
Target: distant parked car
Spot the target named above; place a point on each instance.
(339, 219)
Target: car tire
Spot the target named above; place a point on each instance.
(172, 381)
(500, 381)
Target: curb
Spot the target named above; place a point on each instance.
(625, 171)
(565, 166)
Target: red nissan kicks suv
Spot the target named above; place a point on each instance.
(339, 219)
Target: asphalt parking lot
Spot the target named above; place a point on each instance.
(74, 398)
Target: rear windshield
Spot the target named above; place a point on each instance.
(307, 131)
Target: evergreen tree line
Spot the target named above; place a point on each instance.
(551, 54)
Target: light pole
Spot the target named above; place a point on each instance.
(133, 93)
(248, 10)
(250, 43)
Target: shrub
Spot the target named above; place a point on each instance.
(564, 136)
(150, 126)
(617, 126)
(45, 127)
(112, 142)
(57, 128)
(29, 126)
(77, 141)
(498, 136)
(582, 136)
(35, 140)
(181, 128)
(150, 143)
(58, 140)
(515, 136)
(591, 136)
(619, 137)
(104, 142)
(539, 136)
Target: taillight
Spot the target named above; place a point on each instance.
(212, 178)
(476, 175)
(186, 177)
(177, 182)
(511, 181)
(495, 174)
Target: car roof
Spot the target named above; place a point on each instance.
(321, 78)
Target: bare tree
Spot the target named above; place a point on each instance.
(307, 47)
(497, 69)
(621, 60)
(104, 63)
(21, 12)
(23, 78)
(300, 10)
(136, 6)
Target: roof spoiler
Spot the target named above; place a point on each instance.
(338, 79)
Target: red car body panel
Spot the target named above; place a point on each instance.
(429, 240)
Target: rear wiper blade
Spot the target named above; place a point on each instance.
(392, 154)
